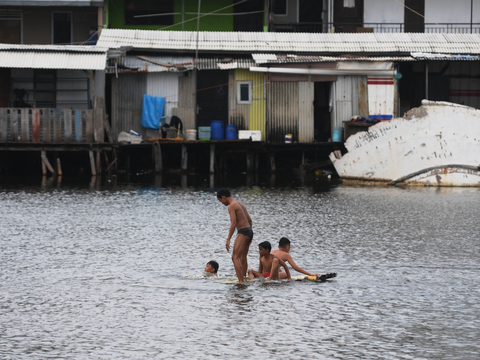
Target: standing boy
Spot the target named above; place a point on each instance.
(240, 220)
(283, 253)
(269, 265)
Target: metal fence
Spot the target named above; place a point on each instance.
(428, 28)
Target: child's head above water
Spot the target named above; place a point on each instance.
(212, 267)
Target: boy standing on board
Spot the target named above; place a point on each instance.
(240, 220)
(283, 253)
(269, 265)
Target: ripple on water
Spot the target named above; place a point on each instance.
(101, 274)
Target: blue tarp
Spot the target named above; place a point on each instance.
(152, 112)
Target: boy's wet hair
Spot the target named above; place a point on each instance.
(283, 242)
(266, 245)
(223, 192)
(213, 264)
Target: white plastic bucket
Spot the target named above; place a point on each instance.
(191, 135)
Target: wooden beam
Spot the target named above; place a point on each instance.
(212, 158)
(272, 162)
(36, 125)
(157, 157)
(44, 168)
(92, 163)
(98, 162)
(184, 158)
(46, 162)
(59, 167)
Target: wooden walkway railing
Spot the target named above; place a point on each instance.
(47, 125)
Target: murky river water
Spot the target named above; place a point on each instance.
(99, 273)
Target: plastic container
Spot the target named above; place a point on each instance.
(218, 130)
(288, 139)
(231, 132)
(191, 135)
(255, 135)
(204, 132)
(337, 134)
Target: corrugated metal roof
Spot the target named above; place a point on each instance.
(63, 48)
(223, 64)
(292, 59)
(292, 42)
(52, 2)
(131, 63)
(52, 60)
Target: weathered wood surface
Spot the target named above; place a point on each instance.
(46, 125)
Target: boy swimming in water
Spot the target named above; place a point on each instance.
(283, 253)
(211, 268)
(240, 220)
(269, 265)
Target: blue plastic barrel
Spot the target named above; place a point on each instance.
(218, 131)
(337, 134)
(231, 132)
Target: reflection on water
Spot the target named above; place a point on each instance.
(95, 268)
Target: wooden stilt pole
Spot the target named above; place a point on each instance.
(98, 163)
(92, 163)
(59, 167)
(44, 168)
(106, 163)
(47, 163)
(127, 164)
(212, 159)
(249, 161)
(184, 158)
(157, 157)
(272, 162)
(256, 162)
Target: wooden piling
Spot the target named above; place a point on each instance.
(92, 163)
(272, 162)
(157, 157)
(184, 158)
(212, 158)
(59, 167)
(47, 163)
(98, 163)
(250, 160)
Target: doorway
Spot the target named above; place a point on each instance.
(212, 96)
(321, 111)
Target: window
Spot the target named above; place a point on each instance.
(244, 92)
(62, 28)
(11, 27)
(149, 12)
(280, 7)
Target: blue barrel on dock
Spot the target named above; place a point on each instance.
(231, 132)
(337, 134)
(218, 131)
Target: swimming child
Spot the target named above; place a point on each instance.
(211, 268)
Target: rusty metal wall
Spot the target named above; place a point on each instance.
(127, 98)
(282, 111)
(164, 85)
(305, 111)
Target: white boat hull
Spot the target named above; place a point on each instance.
(437, 144)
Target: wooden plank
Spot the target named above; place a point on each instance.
(14, 121)
(45, 122)
(89, 125)
(3, 124)
(212, 158)
(24, 122)
(184, 158)
(57, 125)
(36, 125)
(67, 116)
(157, 157)
(92, 163)
(78, 125)
(44, 168)
(59, 167)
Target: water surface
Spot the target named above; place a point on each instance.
(97, 271)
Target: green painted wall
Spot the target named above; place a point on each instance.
(115, 16)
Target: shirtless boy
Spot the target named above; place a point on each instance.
(283, 253)
(211, 268)
(269, 265)
(240, 220)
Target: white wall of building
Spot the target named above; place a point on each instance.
(448, 11)
(381, 11)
